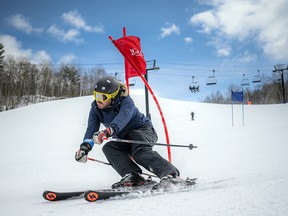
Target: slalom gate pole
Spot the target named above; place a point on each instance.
(190, 146)
(121, 49)
(103, 162)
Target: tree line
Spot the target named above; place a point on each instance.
(22, 82)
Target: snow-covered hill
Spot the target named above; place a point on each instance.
(242, 170)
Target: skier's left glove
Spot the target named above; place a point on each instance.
(100, 135)
(82, 154)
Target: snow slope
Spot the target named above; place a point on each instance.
(242, 170)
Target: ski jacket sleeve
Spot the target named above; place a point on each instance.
(93, 123)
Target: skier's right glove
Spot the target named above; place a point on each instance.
(82, 154)
(100, 135)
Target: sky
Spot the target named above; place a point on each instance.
(187, 38)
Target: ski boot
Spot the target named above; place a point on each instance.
(130, 180)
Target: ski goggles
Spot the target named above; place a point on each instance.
(103, 97)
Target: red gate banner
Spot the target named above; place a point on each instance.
(130, 48)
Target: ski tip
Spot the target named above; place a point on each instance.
(91, 196)
(49, 195)
(191, 181)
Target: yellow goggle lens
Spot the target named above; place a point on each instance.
(103, 97)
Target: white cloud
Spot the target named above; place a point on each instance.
(188, 40)
(14, 48)
(65, 36)
(169, 29)
(206, 20)
(222, 47)
(247, 57)
(67, 59)
(223, 52)
(22, 23)
(76, 20)
(261, 20)
(73, 35)
(40, 56)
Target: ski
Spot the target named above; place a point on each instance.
(94, 195)
(56, 196)
(104, 194)
(183, 184)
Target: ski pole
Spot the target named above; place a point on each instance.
(99, 161)
(190, 146)
(103, 162)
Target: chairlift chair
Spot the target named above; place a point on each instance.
(277, 78)
(257, 78)
(211, 80)
(245, 81)
(132, 82)
(194, 87)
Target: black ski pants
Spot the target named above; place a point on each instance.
(120, 155)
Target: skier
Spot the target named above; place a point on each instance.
(192, 115)
(115, 109)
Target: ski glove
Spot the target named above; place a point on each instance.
(100, 135)
(82, 154)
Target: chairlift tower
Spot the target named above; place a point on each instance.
(281, 68)
(154, 67)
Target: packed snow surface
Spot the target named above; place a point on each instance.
(241, 170)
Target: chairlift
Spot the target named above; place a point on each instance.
(132, 82)
(194, 87)
(277, 78)
(245, 81)
(117, 77)
(256, 78)
(211, 80)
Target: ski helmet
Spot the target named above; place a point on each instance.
(106, 88)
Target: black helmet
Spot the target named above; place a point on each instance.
(108, 86)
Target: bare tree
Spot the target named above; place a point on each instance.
(1, 72)
(23, 82)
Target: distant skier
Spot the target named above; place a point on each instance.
(115, 109)
(192, 115)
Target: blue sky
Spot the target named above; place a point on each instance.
(186, 38)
